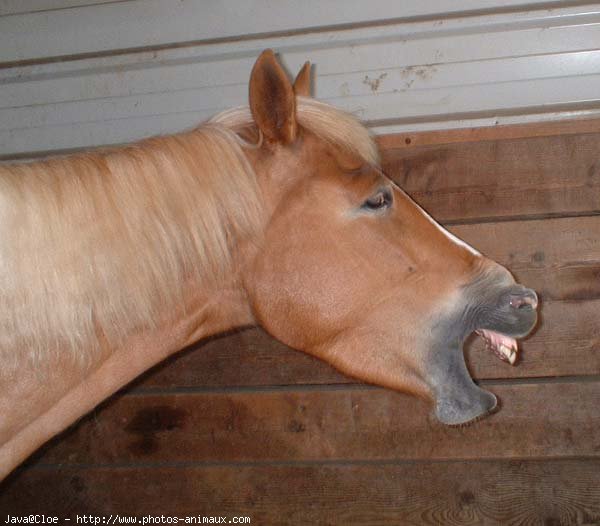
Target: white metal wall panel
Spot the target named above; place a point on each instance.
(399, 65)
(143, 23)
(16, 7)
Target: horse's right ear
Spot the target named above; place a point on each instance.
(272, 100)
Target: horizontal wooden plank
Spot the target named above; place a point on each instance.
(491, 493)
(144, 23)
(558, 257)
(249, 358)
(548, 420)
(505, 178)
(488, 133)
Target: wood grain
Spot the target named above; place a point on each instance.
(488, 133)
(525, 493)
(560, 258)
(541, 420)
(501, 178)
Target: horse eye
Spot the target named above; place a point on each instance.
(380, 201)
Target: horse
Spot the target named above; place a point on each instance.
(275, 214)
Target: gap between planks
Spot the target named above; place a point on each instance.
(296, 463)
(292, 388)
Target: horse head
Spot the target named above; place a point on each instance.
(350, 269)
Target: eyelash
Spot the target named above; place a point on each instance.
(380, 201)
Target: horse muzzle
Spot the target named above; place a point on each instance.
(512, 314)
(500, 311)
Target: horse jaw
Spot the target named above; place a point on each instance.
(458, 400)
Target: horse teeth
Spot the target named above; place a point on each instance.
(509, 353)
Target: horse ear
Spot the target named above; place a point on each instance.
(272, 100)
(302, 82)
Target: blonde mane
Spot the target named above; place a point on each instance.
(96, 245)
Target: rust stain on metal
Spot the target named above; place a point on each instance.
(374, 83)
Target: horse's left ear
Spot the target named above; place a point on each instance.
(272, 100)
(302, 82)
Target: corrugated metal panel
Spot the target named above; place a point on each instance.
(414, 65)
(143, 23)
(17, 7)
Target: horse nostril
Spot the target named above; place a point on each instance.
(526, 299)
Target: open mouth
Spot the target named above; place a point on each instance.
(500, 314)
(504, 347)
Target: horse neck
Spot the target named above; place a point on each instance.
(116, 238)
(48, 393)
(36, 408)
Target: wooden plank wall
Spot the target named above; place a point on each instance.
(242, 426)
